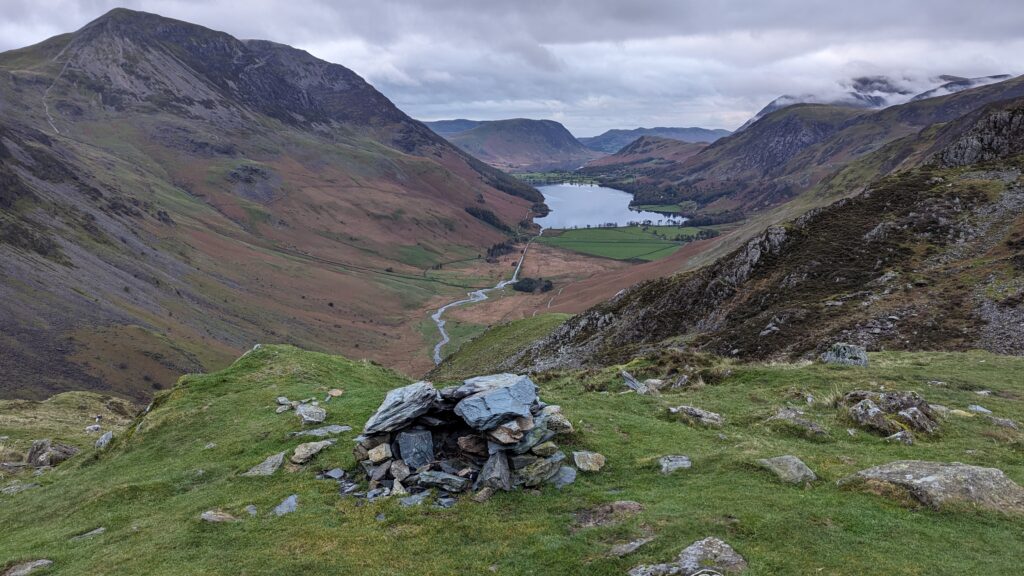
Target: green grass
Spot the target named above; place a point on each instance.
(484, 353)
(149, 490)
(625, 243)
(673, 208)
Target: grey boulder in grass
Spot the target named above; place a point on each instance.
(707, 556)
(789, 469)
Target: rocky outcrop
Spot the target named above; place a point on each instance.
(46, 452)
(998, 134)
(707, 556)
(845, 355)
(940, 485)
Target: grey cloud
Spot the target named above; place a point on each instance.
(598, 64)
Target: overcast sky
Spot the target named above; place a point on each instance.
(597, 64)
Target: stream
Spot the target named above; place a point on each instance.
(474, 296)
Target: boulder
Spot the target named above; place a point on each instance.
(566, 475)
(287, 506)
(707, 556)
(845, 355)
(217, 516)
(588, 461)
(305, 452)
(26, 568)
(48, 453)
(939, 485)
(268, 466)
(103, 441)
(794, 419)
(1004, 422)
(416, 447)
(868, 415)
(498, 403)
(401, 406)
(696, 415)
(310, 414)
(559, 424)
(443, 480)
(331, 430)
(916, 420)
(789, 469)
(670, 464)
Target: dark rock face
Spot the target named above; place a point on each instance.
(940, 485)
(998, 134)
(845, 355)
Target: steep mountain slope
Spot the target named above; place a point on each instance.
(172, 195)
(791, 152)
(644, 155)
(614, 140)
(448, 127)
(519, 144)
(930, 258)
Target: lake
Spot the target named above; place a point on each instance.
(582, 205)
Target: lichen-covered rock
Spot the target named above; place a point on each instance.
(588, 461)
(696, 415)
(401, 406)
(789, 469)
(670, 464)
(868, 415)
(845, 355)
(916, 420)
(793, 419)
(305, 452)
(45, 452)
(939, 485)
(701, 557)
(310, 414)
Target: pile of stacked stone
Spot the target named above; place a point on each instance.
(491, 433)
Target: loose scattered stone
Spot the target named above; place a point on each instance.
(1004, 422)
(310, 414)
(26, 568)
(209, 446)
(333, 474)
(445, 502)
(92, 428)
(268, 466)
(449, 482)
(414, 500)
(251, 510)
(89, 534)
(901, 437)
(696, 415)
(282, 409)
(633, 384)
(588, 461)
(401, 406)
(335, 392)
(305, 452)
(283, 401)
(48, 453)
(670, 464)
(483, 495)
(701, 557)
(890, 412)
(846, 355)
(789, 469)
(979, 409)
(103, 441)
(331, 430)
(287, 506)
(620, 550)
(566, 475)
(17, 487)
(939, 485)
(217, 516)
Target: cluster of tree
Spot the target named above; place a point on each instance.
(532, 285)
(713, 219)
(500, 249)
(488, 217)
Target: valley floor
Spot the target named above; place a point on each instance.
(186, 455)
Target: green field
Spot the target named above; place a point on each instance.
(150, 487)
(667, 208)
(625, 243)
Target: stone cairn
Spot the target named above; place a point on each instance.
(491, 433)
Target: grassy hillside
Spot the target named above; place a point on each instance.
(624, 243)
(150, 488)
(484, 353)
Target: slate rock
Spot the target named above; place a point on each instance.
(305, 452)
(540, 471)
(566, 475)
(588, 461)
(473, 445)
(401, 406)
(310, 414)
(26, 568)
(449, 482)
(939, 485)
(845, 355)
(498, 404)
(416, 447)
(334, 474)
(217, 516)
(789, 469)
(103, 441)
(671, 463)
(496, 473)
(445, 502)
(89, 534)
(330, 430)
(414, 500)
(283, 401)
(559, 424)
(287, 506)
(268, 466)
(282, 409)
(979, 409)
(483, 383)
(92, 428)
(696, 415)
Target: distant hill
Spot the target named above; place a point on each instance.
(613, 140)
(517, 145)
(645, 155)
